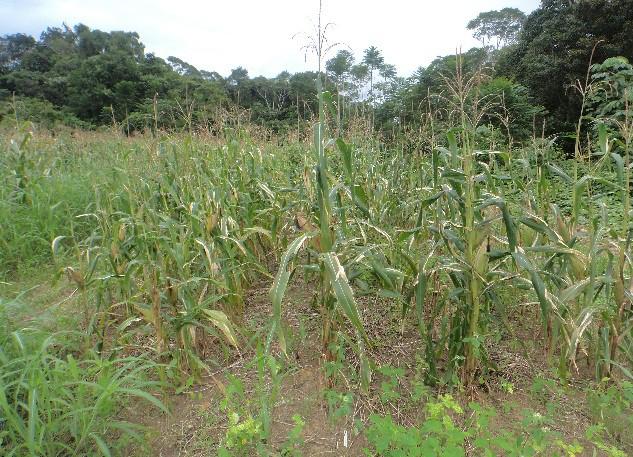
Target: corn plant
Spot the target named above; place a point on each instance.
(178, 245)
(586, 263)
(470, 247)
(335, 293)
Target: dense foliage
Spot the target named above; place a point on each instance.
(534, 65)
(88, 78)
(384, 282)
(555, 48)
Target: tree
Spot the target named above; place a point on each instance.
(91, 43)
(62, 40)
(94, 77)
(101, 82)
(389, 114)
(374, 60)
(501, 26)
(387, 72)
(39, 58)
(359, 74)
(12, 49)
(338, 68)
(211, 76)
(127, 43)
(610, 99)
(555, 47)
(510, 109)
(183, 68)
(430, 80)
(303, 88)
(237, 76)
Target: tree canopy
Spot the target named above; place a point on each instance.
(88, 78)
(499, 27)
(557, 44)
(534, 65)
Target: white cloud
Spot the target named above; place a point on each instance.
(221, 35)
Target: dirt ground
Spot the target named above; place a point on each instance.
(198, 424)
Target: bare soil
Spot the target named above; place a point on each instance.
(197, 424)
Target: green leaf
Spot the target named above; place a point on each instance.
(346, 154)
(420, 294)
(619, 168)
(33, 417)
(571, 293)
(145, 396)
(539, 225)
(280, 284)
(56, 243)
(579, 187)
(343, 291)
(559, 172)
(345, 299)
(360, 199)
(425, 203)
(537, 283)
(103, 447)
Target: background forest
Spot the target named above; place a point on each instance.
(89, 78)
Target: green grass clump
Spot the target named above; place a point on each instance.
(46, 187)
(56, 399)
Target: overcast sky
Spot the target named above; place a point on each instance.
(218, 35)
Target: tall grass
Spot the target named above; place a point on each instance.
(55, 400)
(44, 187)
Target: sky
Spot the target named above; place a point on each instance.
(266, 37)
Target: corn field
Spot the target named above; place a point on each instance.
(161, 239)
